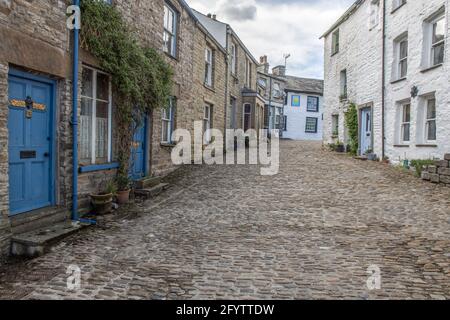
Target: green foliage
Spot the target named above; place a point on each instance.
(123, 182)
(351, 122)
(110, 188)
(420, 164)
(141, 79)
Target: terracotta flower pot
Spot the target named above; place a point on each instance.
(123, 196)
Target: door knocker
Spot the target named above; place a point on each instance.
(29, 108)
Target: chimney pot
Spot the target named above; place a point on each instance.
(209, 15)
(214, 16)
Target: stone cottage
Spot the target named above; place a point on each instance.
(36, 154)
(403, 47)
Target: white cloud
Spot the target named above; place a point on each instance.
(272, 28)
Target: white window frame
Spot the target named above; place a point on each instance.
(276, 90)
(397, 4)
(207, 116)
(94, 115)
(233, 59)
(169, 121)
(374, 14)
(208, 67)
(404, 122)
(172, 33)
(438, 43)
(428, 120)
(335, 125)
(248, 71)
(401, 59)
(335, 42)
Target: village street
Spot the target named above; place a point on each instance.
(312, 231)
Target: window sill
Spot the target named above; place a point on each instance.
(333, 54)
(398, 8)
(427, 145)
(401, 145)
(98, 167)
(168, 145)
(209, 87)
(432, 68)
(398, 80)
(171, 56)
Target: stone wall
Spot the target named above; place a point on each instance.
(360, 54)
(439, 172)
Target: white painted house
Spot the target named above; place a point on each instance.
(410, 118)
(303, 109)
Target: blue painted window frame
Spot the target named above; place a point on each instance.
(316, 125)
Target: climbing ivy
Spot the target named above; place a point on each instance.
(141, 79)
(351, 122)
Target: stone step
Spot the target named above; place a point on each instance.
(148, 193)
(38, 219)
(38, 242)
(147, 183)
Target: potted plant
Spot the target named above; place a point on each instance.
(124, 188)
(102, 201)
(340, 147)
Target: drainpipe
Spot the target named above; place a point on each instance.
(383, 85)
(227, 69)
(75, 216)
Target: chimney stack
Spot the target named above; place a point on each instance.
(279, 71)
(214, 17)
(264, 64)
(209, 15)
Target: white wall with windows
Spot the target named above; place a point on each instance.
(304, 116)
(418, 100)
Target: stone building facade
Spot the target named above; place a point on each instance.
(352, 73)
(416, 95)
(240, 76)
(36, 55)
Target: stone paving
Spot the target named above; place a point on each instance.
(224, 232)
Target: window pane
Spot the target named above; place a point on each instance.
(432, 130)
(165, 130)
(438, 31)
(403, 49)
(431, 110)
(406, 129)
(407, 113)
(101, 138)
(102, 86)
(403, 68)
(438, 54)
(248, 108)
(85, 145)
(311, 125)
(87, 83)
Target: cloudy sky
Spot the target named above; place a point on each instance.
(275, 27)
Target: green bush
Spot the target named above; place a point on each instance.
(351, 122)
(420, 164)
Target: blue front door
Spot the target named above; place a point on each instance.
(30, 143)
(138, 152)
(366, 131)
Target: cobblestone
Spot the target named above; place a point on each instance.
(309, 232)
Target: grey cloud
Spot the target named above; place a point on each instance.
(240, 12)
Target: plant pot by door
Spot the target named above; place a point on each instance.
(102, 203)
(123, 196)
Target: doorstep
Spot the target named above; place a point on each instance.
(37, 242)
(149, 193)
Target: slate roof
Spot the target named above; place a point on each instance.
(303, 85)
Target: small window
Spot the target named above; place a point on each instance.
(207, 123)
(335, 125)
(402, 58)
(374, 13)
(262, 83)
(313, 104)
(247, 119)
(233, 59)
(169, 36)
(311, 125)
(208, 67)
(168, 116)
(437, 45)
(277, 90)
(335, 42)
(285, 123)
(430, 122)
(343, 84)
(248, 73)
(406, 123)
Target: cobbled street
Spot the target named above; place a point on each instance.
(225, 232)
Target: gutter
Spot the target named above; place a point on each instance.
(383, 86)
(75, 215)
